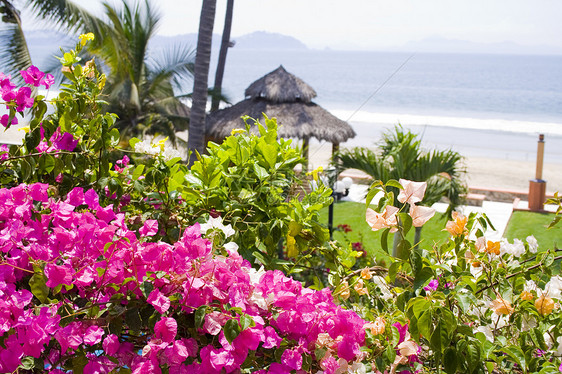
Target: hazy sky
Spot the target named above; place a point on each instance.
(371, 24)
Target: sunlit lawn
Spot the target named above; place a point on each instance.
(523, 224)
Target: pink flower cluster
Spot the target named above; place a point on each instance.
(59, 141)
(74, 253)
(21, 97)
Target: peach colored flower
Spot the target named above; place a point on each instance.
(366, 273)
(377, 327)
(501, 306)
(420, 214)
(360, 288)
(456, 227)
(382, 220)
(345, 291)
(544, 305)
(493, 247)
(480, 244)
(526, 295)
(413, 191)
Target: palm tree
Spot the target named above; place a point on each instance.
(196, 140)
(141, 88)
(225, 44)
(401, 156)
(64, 15)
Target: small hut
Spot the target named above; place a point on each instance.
(282, 95)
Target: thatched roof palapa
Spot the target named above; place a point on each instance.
(301, 121)
(279, 86)
(281, 95)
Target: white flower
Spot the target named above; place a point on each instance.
(553, 287)
(255, 275)
(231, 247)
(529, 286)
(383, 286)
(486, 330)
(170, 153)
(533, 244)
(516, 249)
(216, 223)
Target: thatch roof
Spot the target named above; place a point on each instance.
(281, 95)
(296, 120)
(279, 86)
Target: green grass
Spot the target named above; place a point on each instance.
(523, 224)
(353, 214)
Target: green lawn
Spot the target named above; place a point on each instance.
(353, 214)
(523, 224)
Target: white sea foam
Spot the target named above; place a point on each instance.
(495, 124)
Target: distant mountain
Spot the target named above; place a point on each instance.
(267, 41)
(437, 44)
(259, 40)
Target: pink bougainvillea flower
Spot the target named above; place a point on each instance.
(382, 220)
(111, 344)
(48, 81)
(32, 76)
(5, 120)
(432, 285)
(292, 359)
(413, 191)
(166, 329)
(93, 335)
(63, 141)
(149, 228)
(23, 99)
(4, 149)
(123, 164)
(403, 331)
(420, 214)
(58, 275)
(160, 302)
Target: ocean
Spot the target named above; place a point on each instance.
(480, 105)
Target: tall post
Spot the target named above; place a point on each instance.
(537, 186)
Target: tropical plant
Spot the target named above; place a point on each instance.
(141, 87)
(402, 157)
(196, 140)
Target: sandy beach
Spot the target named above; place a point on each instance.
(482, 172)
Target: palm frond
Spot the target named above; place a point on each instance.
(65, 15)
(14, 56)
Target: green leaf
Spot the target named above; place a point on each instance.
(78, 363)
(416, 261)
(146, 288)
(38, 286)
(295, 228)
(423, 276)
(384, 240)
(231, 330)
(246, 321)
(405, 222)
(393, 270)
(200, 314)
(403, 249)
(517, 355)
(260, 172)
(371, 194)
(394, 183)
(450, 360)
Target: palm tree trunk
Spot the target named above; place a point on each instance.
(225, 43)
(196, 137)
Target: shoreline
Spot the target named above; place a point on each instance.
(484, 172)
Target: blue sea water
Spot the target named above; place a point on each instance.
(488, 99)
